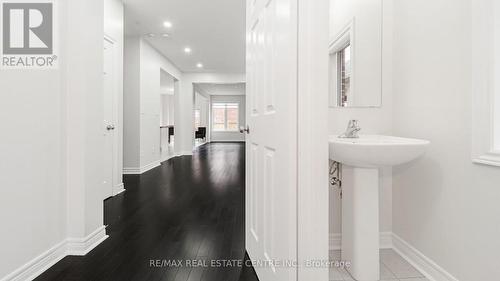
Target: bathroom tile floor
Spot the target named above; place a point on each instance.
(392, 267)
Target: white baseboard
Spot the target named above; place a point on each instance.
(336, 241)
(386, 240)
(417, 259)
(150, 166)
(38, 265)
(118, 189)
(68, 247)
(131, 171)
(82, 246)
(141, 170)
(425, 265)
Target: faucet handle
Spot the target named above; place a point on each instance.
(353, 123)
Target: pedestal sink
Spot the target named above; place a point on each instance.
(361, 159)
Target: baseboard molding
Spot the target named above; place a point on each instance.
(70, 246)
(386, 240)
(417, 259)
(428, 267)
(228, 141)
(150, 166)
(336, 241)
(38, 265)
(141, 170)
(131, 171)
(82, 246)
(118, 189)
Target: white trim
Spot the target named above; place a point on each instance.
(118, 189)
(82, 246)
(183, 153)
(228, 141)
(388, 240)
(38, 265)
(345, 37)
(150, 166)
(70, 246)
(335, 241)
(425, 265)
(492, 159)
(131, 171)
(311, 156)
(168, 158)
(486, 93)
(141, 170)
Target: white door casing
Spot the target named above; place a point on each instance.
(108, 118)
(271, 145)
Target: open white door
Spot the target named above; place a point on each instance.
(271, 145)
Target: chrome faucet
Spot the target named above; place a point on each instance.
(352, 130)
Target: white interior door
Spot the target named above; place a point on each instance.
(108, 118)
(271, 183)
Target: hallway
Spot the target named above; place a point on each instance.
(189, 208)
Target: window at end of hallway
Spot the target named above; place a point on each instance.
(225, 117)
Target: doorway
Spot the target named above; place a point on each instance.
(167, 115)
(200, 116)
(220, 109)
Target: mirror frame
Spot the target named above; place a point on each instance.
(345, 36)
(336, 43)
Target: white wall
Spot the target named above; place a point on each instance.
(51, 145)
(131, 102)
(445, 206)
(202, 103)
(229, 136)
(143, 65)
(372, 121)
(33, 194)
(167, 110)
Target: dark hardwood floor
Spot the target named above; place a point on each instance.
(190, 208)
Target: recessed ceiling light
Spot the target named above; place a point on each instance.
(167, 24)
(165, 35)
(151, 35)
(199, 65)
(187, 50)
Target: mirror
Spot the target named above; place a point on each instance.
(355, 59)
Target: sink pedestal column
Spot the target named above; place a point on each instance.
(360, 222)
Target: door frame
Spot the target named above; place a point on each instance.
(312, 138)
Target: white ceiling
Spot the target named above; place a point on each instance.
(213, 29)
(210, 89)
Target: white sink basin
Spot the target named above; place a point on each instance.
(361, 159)
(371, 151)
